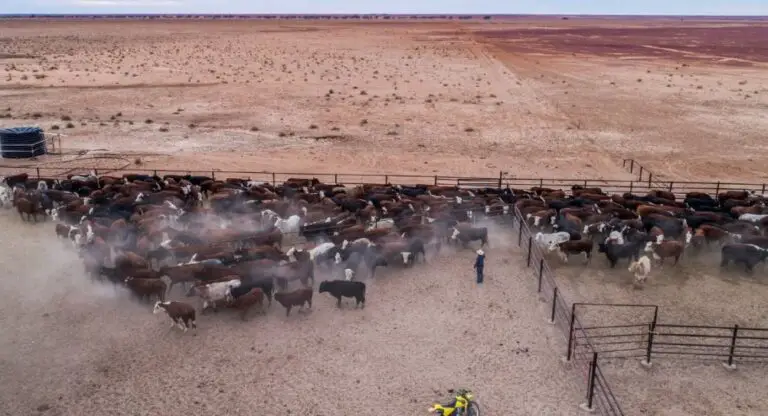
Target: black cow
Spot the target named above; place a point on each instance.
(339, 288)
(748, 254)
(467, 234)
(614, 252)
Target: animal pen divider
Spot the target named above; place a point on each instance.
(599, 396)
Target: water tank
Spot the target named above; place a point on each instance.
(22, 142)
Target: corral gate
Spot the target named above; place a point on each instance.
(612, 330)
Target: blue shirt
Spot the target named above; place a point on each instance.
(480, 261)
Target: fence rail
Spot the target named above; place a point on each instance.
(599, 396)
(610, 186)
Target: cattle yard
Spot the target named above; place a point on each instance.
(559, 99)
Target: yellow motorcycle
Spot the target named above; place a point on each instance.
(463, 404)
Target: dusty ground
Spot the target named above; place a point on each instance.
(690, 294)
(82, 348)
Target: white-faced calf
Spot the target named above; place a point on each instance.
(181, 314)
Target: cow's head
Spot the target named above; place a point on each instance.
(337, 257)
(406, 257)
(159, 306)
(349, 274)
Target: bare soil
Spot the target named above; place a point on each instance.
(74, 347)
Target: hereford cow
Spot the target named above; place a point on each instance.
(181, 314)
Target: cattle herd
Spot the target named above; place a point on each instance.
(239, 243)
(655, 226)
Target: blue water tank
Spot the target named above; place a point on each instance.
(22, 142)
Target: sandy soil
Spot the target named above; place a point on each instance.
(82, 348)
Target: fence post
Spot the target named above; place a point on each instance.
(274, 182)
(38, 173)
(631, 185)
(335, 178)
(386, 179)
(541, 273)
(96, 172)
(632, 166)
(734, 337)
(640, 176)
(213, 175)
(541, 182)
(554, 306)
(570, 333)
(500, 176)
(520, 232)
(650, 177)
(591, 385)
(763, 191)
(435, 180)
(530, 249)
(670, 185)
(717, 189)
(651, 334)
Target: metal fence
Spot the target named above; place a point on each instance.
(646, 182)
(599, 396)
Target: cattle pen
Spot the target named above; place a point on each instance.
(594, 336)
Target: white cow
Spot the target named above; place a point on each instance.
(547, 240)
(752, 217)
(218, 291)
(641, 268)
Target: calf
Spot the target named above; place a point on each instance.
(146, 288)
(347, 289)
(573, 247)
(243, 303)
(641, 268)
(296, 298)
(669, 248)
(181, 314)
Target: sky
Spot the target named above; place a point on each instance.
(663, 7)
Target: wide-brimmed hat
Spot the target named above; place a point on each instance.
(480, 252)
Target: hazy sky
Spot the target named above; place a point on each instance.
(681, 7)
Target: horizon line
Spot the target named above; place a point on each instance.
(374, 14)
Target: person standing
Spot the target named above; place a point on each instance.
(479, 265)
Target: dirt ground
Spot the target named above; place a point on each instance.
(74, 347)
(427, 98)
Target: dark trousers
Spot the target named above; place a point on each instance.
(479, 274)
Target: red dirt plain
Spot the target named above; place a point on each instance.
(535, 97)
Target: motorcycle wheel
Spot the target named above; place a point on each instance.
(473, 409)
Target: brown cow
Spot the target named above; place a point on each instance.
(669, 248)
(243, 303)
(296, 298)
